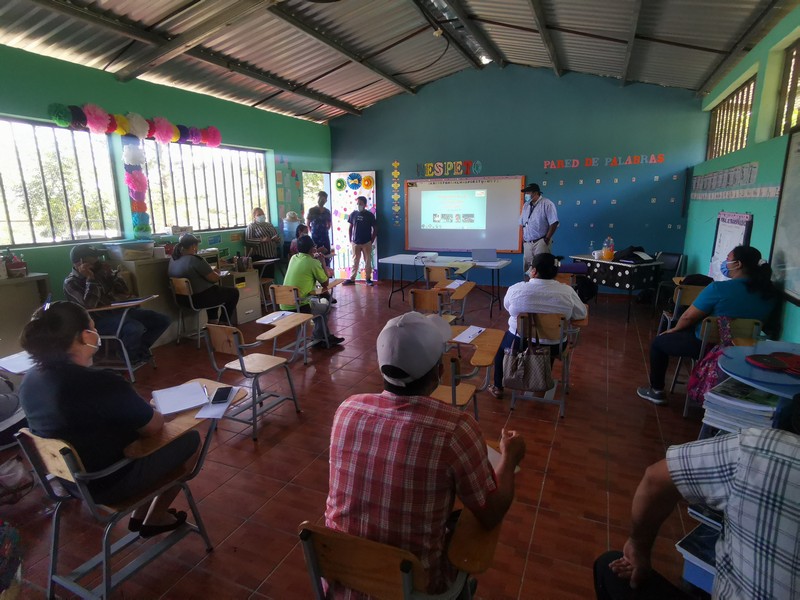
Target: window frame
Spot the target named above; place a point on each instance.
(788, 95)
(725, 134)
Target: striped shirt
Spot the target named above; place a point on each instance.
(754, 478)
(397, 464)
(255, 233)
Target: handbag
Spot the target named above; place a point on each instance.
(705, 374)
(528, 369)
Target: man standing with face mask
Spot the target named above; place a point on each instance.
(92, 283)
(539, 221)
(363, 231)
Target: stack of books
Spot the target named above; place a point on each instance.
(733, 405)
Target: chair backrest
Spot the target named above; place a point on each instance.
(284, 294)
(181, 286)
(437, 274)
(225, 339)
(672, 263)
(566, 278)
(685, 295)
(46, 455)
(427, 301)
(740, 328)
(375, 569)
(548, 326)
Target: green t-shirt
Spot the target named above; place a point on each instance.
(303, 273)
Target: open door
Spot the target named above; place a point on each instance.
(345, 188)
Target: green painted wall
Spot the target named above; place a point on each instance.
(766, 61)
(31, 82)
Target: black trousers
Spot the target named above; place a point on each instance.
(680, 343)
(607, 586)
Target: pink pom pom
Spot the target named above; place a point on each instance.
(96, 118)
(213, 136)
(136, 181)
(163, 130)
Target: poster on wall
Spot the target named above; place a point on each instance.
(345, 188)
(785, 255)
(733, 229)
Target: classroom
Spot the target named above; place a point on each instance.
(655, 129)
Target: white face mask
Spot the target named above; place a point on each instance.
(261, 219)
(99, 340)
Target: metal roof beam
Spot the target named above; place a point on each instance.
(189, 39)
(476, 32)
(420, 4)
(289, 18)
(541, 25)
(635, 10)
(113, 23)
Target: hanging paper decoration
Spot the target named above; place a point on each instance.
(397, 221)
(354, 181)
(96, 118)
(212, 136)
(138, 126)
(340, 184)
(78, 117)
(122, 125)
(133, 155)
(162, 130)
(59, 114)
(112, 125)
(367, 182)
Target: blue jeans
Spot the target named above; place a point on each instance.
(141, 329)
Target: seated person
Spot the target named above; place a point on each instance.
(399, 459)
(92, 283)
(541, 294)
(304, 272)
(261, 238)
(298, 233)
(747, 294)
(99, 414)
(205, 289)
(753, 478)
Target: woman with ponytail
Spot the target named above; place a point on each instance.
(99, 414)
(748, 293)
(205, 292)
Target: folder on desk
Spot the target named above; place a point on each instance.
(469, 334)
(273, 317)
(179, 398)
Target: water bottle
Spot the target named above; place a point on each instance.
(591, 247)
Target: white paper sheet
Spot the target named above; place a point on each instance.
(469, 334)
(273, 317)
(180, 397)
(217, 411)
(18, 363)
(456, 284)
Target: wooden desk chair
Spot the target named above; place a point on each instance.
(434, 275)
(683, 296)
(452, 389)
(455, 300)
(266, 300)
(182, 287)
(290, 295)
(381, 571)
(551, 327)
(112, 343)
(431, 301)
(229, 340)
(741, 329)
(54, 459)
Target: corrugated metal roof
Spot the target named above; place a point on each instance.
(678, 43)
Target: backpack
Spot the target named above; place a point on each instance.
(705, 374)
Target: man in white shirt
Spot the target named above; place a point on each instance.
(542, 294)
(539, 221)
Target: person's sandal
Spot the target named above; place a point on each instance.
(148, 531)
(495, 391)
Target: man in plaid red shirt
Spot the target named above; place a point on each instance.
(399, 459)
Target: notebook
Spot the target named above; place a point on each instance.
(484, 255)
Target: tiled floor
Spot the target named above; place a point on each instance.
(573, 493)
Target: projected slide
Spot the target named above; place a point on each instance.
(453, 209)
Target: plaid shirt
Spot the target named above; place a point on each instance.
(105, 288)
(396, 465)
(754, 477)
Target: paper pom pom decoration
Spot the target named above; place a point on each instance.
(136, 181)
(194, 135)
(140, 218)
(138, 206)
(78, 117)
(122, 125)
(176, 134)
(137, 125)
(183, 134)
(163, 130)
(213, 136)
(112, 124)
(96, 118)
(133, 154)
(137, 195)
(151, 129)
(59, 114)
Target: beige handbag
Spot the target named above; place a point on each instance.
(529, 369)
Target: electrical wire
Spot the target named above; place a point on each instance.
(446, 48)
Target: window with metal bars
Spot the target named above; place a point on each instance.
(789, 104)
(730, 121)
(56, 185)
(206, 188)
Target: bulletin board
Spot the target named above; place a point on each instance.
(785, 255)
(733, 229)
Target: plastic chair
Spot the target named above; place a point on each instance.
(56, 459)
(709, 334)
(225, 339)
(452, 390)
(433, 301)
(290, 295)
(672, 267)
(182, 287)
(378, 570)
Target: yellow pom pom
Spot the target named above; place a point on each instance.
(176, 134)
(122, 125)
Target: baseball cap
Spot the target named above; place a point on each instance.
(531, 187)
(82, 251)
(413, 343)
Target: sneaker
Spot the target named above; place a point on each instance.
(348, 282)
(651, 395)
(495, 391)
(370, 283)
(334, 341)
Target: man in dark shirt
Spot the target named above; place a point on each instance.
(92, 283)
(363, 231)
(319, 221)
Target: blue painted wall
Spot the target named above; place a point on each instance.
(512, 121)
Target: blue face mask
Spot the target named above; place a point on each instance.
(723, 268)
(528, 197)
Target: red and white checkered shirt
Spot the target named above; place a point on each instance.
(396, 465)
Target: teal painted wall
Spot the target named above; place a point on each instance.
(32, 82)
(766, 61)
(514, 119)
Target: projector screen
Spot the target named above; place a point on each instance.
(464, 214)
